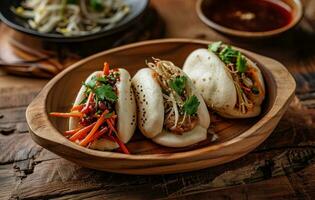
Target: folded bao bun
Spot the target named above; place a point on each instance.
(125, 109)
(151, 111)
(215, 83)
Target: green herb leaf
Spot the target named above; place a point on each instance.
(241, 63)
(214, 47)
(106, 92)
(108, 115)
(83, 101)
(96, 5)
(91, 84)
(178, 84)
(228, 55)
(191, 105)
(102, 79)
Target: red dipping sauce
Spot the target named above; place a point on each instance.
(248, 15)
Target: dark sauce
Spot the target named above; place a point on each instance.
(248, 15)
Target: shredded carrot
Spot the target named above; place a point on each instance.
(108, 121)
(71, 114)
(110, 133)
(89, 100)
(106, 68)
(82, 132)
(71, 132)
(98, 123)
(121, 145)
(107, 137)
(77, 107)
(98, 134)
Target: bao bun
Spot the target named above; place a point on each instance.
(216, 85)
(125, 109)
(151, 112)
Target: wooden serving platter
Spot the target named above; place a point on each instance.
(236, 137)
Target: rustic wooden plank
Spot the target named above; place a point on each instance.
(18, 91)
(12, 115)
(7, 181)
(17, 147)
(68, 181)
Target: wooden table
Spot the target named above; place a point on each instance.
(283, 167)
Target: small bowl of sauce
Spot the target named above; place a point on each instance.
(250, 18)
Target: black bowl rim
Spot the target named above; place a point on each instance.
(83, 38)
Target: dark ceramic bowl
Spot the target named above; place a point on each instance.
(12, 20)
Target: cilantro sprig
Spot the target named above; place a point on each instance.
(178, 84)
(229, 55)
(106, 92)
(191, 105)
(241, 63)
(214, 47)
(103, 91)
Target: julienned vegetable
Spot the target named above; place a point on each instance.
(95, 114)
(72, 17)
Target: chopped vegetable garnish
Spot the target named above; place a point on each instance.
(66, 115)
(97, 5)
(228, 55)
(92, 83)
(106, 69)
(121, 145)
(82, 132)
(191, 105)
(215, 46)
(106, 92)
(88, 102)
(71, 132)
(98, 123)
(178, 84)
(77, 107)
(241, 64)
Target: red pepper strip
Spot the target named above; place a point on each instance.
(71, 114)
(106, 137)
(108, 121)
(71, 132)
(110, 133)
(99, 133)
(82, 132)
(77, 107)
(89, 137)
(121, 144)
(106, 69)
(90, 98)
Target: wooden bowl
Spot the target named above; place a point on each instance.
(296, 11)
(236, 137)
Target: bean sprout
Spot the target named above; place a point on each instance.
(72, 18)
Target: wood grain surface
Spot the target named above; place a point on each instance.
(283, 167)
